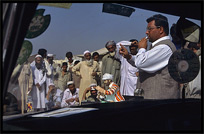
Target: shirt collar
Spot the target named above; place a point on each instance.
(160, 39)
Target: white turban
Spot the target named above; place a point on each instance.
(70, 82)
(107, 76)
(38, 56)
(87, 51)
(50, 55)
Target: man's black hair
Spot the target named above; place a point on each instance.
(69, 55)
(42, 52)
(64, 64)
(132, 44)
(160, 20)
(173, 29)
(94, 54)
(76, 62)
(193, 45)
(133, 40)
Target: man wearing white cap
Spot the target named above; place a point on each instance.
(54, 97)
(39, 79)
(71, 95)
(113, 92)
(43, 53)
(87, 70)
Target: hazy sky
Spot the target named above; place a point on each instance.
(86, 27)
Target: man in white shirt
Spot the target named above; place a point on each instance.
(154, 77)
(39, 79)
(54, 97)
(128, 72)
(71, 95)
(45, 65)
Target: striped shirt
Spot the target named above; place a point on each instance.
(113, 93)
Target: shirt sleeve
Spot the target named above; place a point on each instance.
(76, 69)
(57, 96)
(65, 96)
(154, 59)
(111, 91)
(49, 72)
(43, 80)
(30, 78)
(103, 65)
(34, 77)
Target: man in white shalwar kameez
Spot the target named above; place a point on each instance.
(39, 79)
(50, 78)
(128, 72)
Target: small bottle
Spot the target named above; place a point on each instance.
(29, 104)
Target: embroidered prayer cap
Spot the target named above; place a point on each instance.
(111, 42)
(70, 83)
(107, 76)
(87, 51)
(38, 56)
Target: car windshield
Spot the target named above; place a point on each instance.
(61, 39)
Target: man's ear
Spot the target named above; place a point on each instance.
(161, 30)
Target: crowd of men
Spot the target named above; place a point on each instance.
(140, 71)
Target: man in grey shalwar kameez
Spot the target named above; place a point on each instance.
(110, 64)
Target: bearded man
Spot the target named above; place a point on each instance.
(87, 70)
(39, 79)
(110, 64)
